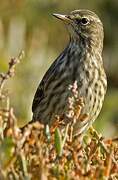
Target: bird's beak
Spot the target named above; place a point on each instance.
(63, 17)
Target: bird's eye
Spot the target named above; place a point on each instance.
(84, 21)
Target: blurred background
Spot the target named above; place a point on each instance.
(28, 25)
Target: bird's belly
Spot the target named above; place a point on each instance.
(93, 98)
(55, 101)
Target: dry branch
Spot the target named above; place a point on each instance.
(11, 71)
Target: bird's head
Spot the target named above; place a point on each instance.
(84, 24)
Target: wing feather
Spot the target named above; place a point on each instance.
(52, 71)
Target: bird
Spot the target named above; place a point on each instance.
(80, 61)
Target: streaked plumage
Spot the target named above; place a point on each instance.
(81, 61)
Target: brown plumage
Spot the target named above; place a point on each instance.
(81, 61)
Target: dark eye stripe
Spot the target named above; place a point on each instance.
(83, 21)
(77, 21)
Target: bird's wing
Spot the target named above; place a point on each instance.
(52, 71)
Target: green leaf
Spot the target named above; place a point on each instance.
(58, 142)
(6, 151)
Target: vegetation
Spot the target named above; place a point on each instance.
(38, 152)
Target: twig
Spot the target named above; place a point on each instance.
(10, 72)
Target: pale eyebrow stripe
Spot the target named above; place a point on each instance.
(95, 19)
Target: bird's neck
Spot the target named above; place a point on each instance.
(80, 48)
(87, 45)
